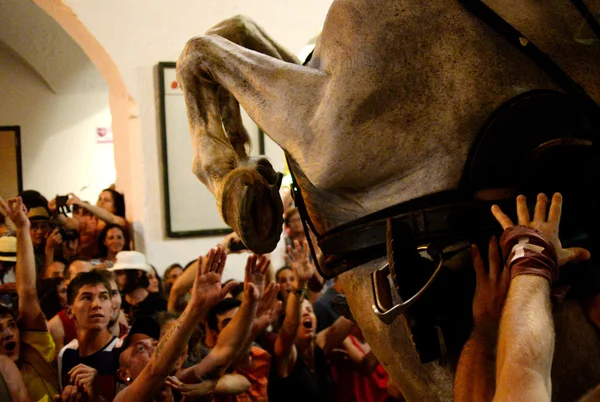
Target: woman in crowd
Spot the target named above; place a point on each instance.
(132, 269)
(155, 285)
(109, 209)
(285, 279)
(300, 361)
(172, 272)
(111, 240)
(292, 224)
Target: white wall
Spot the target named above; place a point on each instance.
(59, 150)
(137, 34)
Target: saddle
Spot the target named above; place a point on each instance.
(539, 141)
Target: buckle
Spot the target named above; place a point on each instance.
(384, 307)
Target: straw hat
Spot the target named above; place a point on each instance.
(38, 214)
(8, 248)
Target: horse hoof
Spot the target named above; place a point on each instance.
(253, 209)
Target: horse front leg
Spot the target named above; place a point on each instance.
(243, 31)
(247, 194)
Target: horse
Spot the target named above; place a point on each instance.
(386, 113)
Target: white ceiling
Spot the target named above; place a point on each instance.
(41, 44)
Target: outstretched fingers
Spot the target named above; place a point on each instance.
(251, 292)
(306, 249)
(501, 217)
(250, 268)
(263, 264)
(539, 214)
(478, 263)
(215, 260)
(522, 211)
(555, 210)
(228, 288)
(270, 294)
(573, 254)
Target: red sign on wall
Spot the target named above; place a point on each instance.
(104, 135)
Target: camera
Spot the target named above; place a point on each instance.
(68, 234)
(61, 204)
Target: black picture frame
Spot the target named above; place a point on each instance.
(171, 231)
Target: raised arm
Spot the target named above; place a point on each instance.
(285, 351)
(234, 335)
(477, 358)
(182, 285)
(207, 292)
(526, 342)
(30, 312)
(98, 212)
(13, 379)
(67, 222)
(333, 336)
(266, 314)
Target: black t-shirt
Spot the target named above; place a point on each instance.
(105, 361)
(151, 305)
(302, 385)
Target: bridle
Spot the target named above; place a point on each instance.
(442, 224)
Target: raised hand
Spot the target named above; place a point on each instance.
(254, 279)
(256, 268)
(73, 200)
(52, 206)
(54, 240)
(191, 390)
(207, 290)
(16, 211)
(267, 310)
(548, 227)
(491, 287)
(299, 259)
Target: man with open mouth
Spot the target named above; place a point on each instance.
(26, 340)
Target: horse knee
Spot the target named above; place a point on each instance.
(212, 169)
(193, 51)
(234, 29)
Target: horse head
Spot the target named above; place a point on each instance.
(381, 131)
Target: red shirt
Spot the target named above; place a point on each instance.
(351, 386)
(257, 374)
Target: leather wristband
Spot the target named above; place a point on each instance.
(529, 253)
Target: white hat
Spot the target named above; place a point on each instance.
(130, 260)
(8, 248)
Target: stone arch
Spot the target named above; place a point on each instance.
(122, 106)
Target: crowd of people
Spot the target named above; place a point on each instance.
(85, 317)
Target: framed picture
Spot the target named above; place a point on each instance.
(190, 209)
(11, 179)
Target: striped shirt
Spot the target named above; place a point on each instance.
(105, 360)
